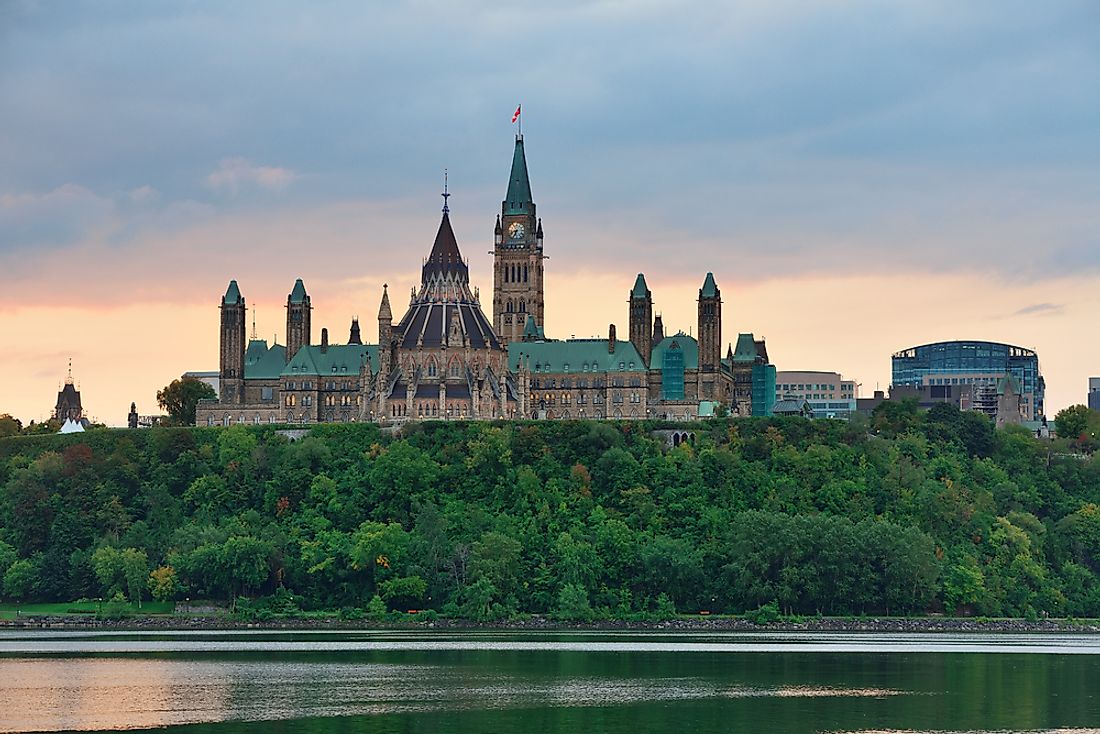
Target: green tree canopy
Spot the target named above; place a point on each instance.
(180, 398)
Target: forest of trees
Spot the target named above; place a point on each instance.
(907, 513)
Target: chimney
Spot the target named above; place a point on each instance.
(611, 339)
(324, 340)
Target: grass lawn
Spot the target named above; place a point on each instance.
(8, 611)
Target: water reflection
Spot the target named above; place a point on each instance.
(622, 683)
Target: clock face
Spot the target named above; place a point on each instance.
(515, 231)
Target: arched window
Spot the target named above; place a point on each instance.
(508, 307)
(522, 306)
(524, 273)
(454, 369)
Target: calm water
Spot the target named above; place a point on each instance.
(320, 683)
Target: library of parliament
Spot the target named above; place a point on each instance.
(444, 359)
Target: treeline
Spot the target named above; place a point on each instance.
(904, 514)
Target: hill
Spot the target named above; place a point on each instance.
(907, 514)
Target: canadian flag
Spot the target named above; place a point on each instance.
(516, 116)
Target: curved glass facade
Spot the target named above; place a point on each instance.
(971, 363)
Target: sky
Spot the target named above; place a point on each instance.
(859, 176)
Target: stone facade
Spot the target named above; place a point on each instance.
(445, 360)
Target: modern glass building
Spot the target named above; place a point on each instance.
(981, 364)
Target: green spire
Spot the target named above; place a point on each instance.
(641, 290)
(298, 294)
(232, 294)
(710, 288)
(518, 199)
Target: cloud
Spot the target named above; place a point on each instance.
(65, 215)
(1041, 309)
(144, 194)
(235, 174)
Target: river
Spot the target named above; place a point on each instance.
(266, 682)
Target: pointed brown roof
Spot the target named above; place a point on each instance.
(445, 257)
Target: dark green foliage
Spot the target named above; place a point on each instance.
(181, 397)
(901, 514)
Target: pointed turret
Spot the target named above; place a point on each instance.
(232, 345)
(355, 337)
(710, 288)
(658, 329)
(498, 233)
(641, 318)
(384, 312)
(710, 332)
(298, 314)
(232, 293)
(518, 200)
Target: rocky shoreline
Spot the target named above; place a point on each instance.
(542, 624)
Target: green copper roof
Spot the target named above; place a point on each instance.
(518, 199)
(298, 294)
(262, 362)
(745, 350)
(232, 294)
(687, 345)
(531, 329)
(338, 360)
(641, 290)
(575, 356)
(710, 288)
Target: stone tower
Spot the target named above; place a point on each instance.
(385, 335)
(710, 327)
(517, 256)
(641, 318)
(231, 365)
(297, 319)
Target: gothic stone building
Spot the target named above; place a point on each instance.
(445, 360)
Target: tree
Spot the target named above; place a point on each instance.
(403, 592)
(20, 580)
(573, 604)
(9, 426)
(180, 397)
(163, 583)
(1072, 422)
(122, 571)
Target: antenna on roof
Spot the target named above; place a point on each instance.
(446, 194)
(253, 323)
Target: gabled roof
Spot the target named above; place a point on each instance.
(518, 198)
(262, 362)
(710, 288)
(575, 356)
(684, 343)
(640, 290)
(298, 293)
(232, 294)
(337, 359)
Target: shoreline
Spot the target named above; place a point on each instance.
(543, 624)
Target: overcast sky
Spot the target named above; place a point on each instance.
(860, 176)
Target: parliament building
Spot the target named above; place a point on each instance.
(446, 360)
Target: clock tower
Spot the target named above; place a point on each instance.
(517, 257)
